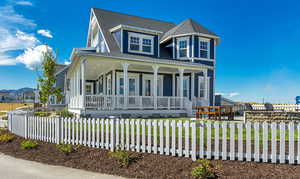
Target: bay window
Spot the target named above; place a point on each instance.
(182, 47)
(204, 48)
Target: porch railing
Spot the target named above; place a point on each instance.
(110, 102)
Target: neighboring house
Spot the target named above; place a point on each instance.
(135, 66)
(221, 101)
(60, 77)
(3, 96)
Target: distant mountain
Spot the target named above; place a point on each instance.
(18, 91)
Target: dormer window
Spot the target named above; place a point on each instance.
(140, 43)
(204, 48)
(182, 47)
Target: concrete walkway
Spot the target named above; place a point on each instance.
(12, 168)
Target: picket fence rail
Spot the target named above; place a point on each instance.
(260, 142)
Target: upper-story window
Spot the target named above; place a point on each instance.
(204, 48)
(182, 47)
(140, 43)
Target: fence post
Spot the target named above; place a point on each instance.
(25, 127)
(58, 127)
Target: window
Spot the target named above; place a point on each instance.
(182, 47)
(147, 45)
(204, 48)
(139, 43)
(134, 43)
(201, 87)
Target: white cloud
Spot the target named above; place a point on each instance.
(7, 60)
(67, 62)
(233, 94)
(24, 3)
(45, 33)
(32, 58)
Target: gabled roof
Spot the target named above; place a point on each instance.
(109, 19)
(188, 26)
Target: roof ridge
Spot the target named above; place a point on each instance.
(133, 15)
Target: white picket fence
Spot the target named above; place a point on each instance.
(267, 142)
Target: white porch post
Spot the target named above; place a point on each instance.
(181, 71)
(83, 82)
(193, 86)
(126, 84)
(155, 76)
(173, 84)
(206, 81)
(113, 94)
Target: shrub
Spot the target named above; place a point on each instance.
(6, 137)
(125, 158)
(5, 118)
(29, 144)
(206, 170)
(42, 114)
(65, 148)
(64, 113)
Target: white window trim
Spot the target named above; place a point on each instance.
(92, 87)
(206, 86)
(201, 39)
(141, 37)
(130, 75)
(178, 85)
(151, 78)
(187, 46)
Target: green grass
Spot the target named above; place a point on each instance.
(253, 132)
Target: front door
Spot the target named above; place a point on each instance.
(133, 89)
(186, 86)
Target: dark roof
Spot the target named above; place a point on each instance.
(185, 27)
(109, 19)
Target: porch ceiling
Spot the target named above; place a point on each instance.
(95, 67)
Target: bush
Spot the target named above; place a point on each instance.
(206, 170)
(29, 144)
(6, 138)
(65, 148)
(42, 114)
(64, 113)
(125, 158)
(5, 118)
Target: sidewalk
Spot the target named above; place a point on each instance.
(12, 168)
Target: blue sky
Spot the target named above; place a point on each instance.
(258, 56)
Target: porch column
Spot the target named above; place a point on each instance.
(206, 81)
(155, 73)
(173, 84)
(83, 82)
(192, 86)
(181, 71)
(126, 84)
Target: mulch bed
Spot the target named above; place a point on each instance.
(149, 166)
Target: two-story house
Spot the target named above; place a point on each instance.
(135, 66)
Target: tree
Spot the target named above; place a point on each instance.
(47, 80)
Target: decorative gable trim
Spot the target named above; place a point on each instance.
(93, 16)
(196, 34)
(133, 28)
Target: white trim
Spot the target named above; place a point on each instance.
(187, 39)
(141, 37)
(201, 39)
(129, 27)
(130, 76)
(101, 32)
(196, 34)
(121, 46)
(188, 86)
(151, 78)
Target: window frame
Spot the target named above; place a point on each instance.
(187, 39)
(201, 39)
(141, 38)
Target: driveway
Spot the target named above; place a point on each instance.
(12, 168)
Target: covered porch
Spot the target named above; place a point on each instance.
(105, 85)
